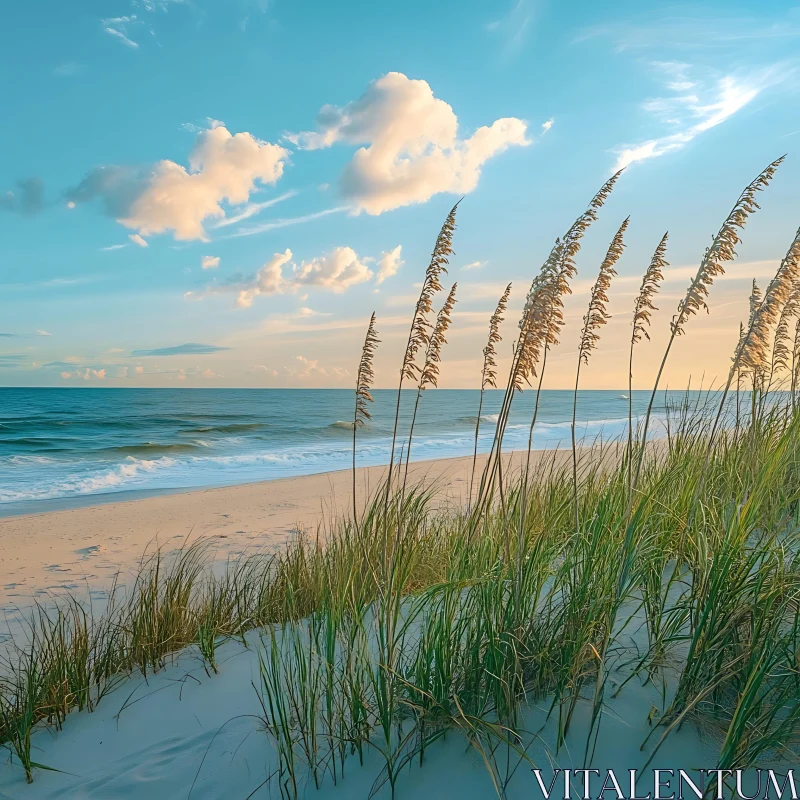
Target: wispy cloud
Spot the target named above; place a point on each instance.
(473, 265)
(514, 27)
(251, 209)
(650, 31)
(694, 106)
(67, 69)
(190, 349)
(113, 247)
(274, 224)
(119, 27)
(12, 360)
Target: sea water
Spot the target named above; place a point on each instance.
(71, 446)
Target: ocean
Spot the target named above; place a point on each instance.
(68, 447)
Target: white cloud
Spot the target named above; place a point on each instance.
(693, 108)
(474, 265)
(137, 240)
(251, 209)
(43, 333)
(412, 150)
(85, 374)
(209, 262)
(268, 280)
(335, 271)
(223, 168)
(388, 264)
(119, 27)
(259, 368)
(114, 247)
(304, 368)
(250, 230)
(546, 125)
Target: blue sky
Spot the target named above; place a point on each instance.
(219, 193)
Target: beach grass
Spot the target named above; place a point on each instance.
(671, 562)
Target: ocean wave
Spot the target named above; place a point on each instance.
(236, 427)
(154, 448)
(348, 426)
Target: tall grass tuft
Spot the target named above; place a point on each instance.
(429, 376)
(712, 265)
(488, 371)
(418, 334)
(596, 316)
(364, 380)
(642, 309)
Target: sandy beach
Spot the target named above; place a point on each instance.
(79, 549)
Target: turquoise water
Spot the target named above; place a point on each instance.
(77, 444)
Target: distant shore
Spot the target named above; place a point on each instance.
(78, 549)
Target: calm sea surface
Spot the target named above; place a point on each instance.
(69, 446)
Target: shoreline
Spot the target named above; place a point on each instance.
(82, 549)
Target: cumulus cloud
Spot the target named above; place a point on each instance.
(86, 374)
(692, 107)
(335, 271)
(137, 240)
(209, 262)
(410, 145)
(388, 264)
(259, 369)
(223, 168)
(26, 198)
(304, 368)
(473, 265)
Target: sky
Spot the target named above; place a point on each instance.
(220, 192)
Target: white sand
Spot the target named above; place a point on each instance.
(74, 549)
(183, 734)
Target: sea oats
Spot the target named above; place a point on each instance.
(597, 316)
(366, 375)
(489, 372)
(433, 355)
(647, 291)
(752, 352)
(722, 249)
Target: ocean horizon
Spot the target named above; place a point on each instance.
(65, 447)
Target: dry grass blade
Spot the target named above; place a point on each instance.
(752, 352)
(429, 377)
(433, 355)
(364, 381)
(722, 249)
(781, 349)
(647, 291)
(418, 337)
(489, 372)
(366, 374)
(597, 316)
